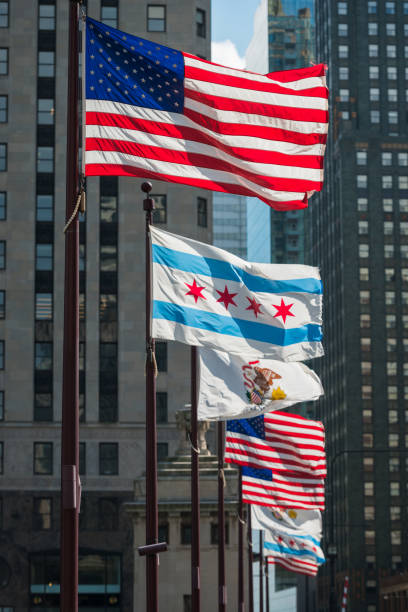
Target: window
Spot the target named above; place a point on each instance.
(162, 449)
(2, 254)
(387, 204)
(156, 18)
(108, 458)
(366, 391)
(109, 12)
(3, 205)
(391, 73)
(43, 355)
(390, 8)
(3, 61)
(2, 304)
(108, 514)
(391, 51)
(392, 117)
(392, 392)
(45, 208)
(200, 23)
(362, 180)
(3, 109)
(390, 29)
(374, 94)
(386, 181)
(395, 513)
(82, 458)
(2, 354)
(395, 538)
(45, 111)
(343, 73)
(160, 208)
(403, 205)
(43, 306)
(365, 321)
(372, 50)
(43, 407)
(394, 462)
(342, 29)
(185, 529)
(386, 158)
(366, 368)
(390, 298)
(372, 7)
(404, 228)
(45, 159)
(108, 257)
(404, 275)
(393, 440)
(1, 412)
(375, 116)
(109, 207)
(214, 533)
(3, 157)
(161, 356)
(365, 344)
(43, 458)
(108, 307)
(363, 227)
(403, 159)
(369, 537)
(361, 158)
(373, 72)
(342, 8)
(369, 488)
(362, 204)
(202, 212)
(364, 274)
(363, 250)
(344, 95)
(369, 513)
(46, 64)
(44, 257)
(343, 51)
(46, 20)
(403, 182)
(372, 28)
(364, 297)
(368, 440)
(388, 228)
(161, 407)
(42, 513)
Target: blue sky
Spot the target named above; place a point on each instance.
(232, 20)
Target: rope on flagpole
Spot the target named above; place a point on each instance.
(196, 450)
(152, 356)
(222, 476)
(241, 520)
(80, 204)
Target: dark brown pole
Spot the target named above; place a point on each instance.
(70, 376)
(152, 574)
(250, 561)
(267, 583)
(195, 491)
(241, 597)
(261, 593)
(222, 587)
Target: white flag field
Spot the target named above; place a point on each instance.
(205, 296)
(235, 387)
(292, 537)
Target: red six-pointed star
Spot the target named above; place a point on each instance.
(195, 291)
(226, 298)
(283, 310)
(255, 306)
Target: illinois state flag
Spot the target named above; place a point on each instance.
(205, 296)
(155, 112)
(235, 387)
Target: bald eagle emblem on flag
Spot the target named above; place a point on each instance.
(259, 383)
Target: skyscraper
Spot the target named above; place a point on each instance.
(33, 81)
(359, 238)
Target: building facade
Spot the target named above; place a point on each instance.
(359, 237)
(230, 223)
(33, 87)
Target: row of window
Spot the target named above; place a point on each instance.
(392, 392)
(388, 231)
(390, 297)
(372, 7)
(372, 29)
(160, 211)
(387, 158)
(387, 203)
(387, 181)
(394, 488)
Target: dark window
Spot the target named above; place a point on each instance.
(43, 257)
(162, 451)
(3, 60)
(1, 458)
(43, 355)
(163, 534)
(45, 207)
(202, 212)
(81, 407)
(4, 14)
(43, 306)
(161, 356)
(2, 354)
(3, 157)
(161, 407)
(2, 304)
(1, 513)
(214, 533)
(42, 513)
(160, 208)
(3, 205)
(108, 514)
(200, 21)
(46, 63)
(43, 407)
(45, 111)
(46, 16)
(108, 307)
(2, 254)
(82, 458)
(185, 531)
(156, 18)
(43, 458)
(3, 109)
(187, 603)
(45, 159)
(109, 208)
(109, 12)
(108, 458)
(109, 257)
(1, 405)
(108, 356)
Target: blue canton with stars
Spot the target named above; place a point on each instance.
(249, 427)
(257, 473)
(124, 68)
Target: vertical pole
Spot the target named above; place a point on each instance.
(152, 559)
(70, 376)
(267, 583)
(222, 587)
(261, 569)
(195, 491)
(250, 563)
(241, 597)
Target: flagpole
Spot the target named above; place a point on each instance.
(261, 593)
(195, 490)
(250, 562)
(152, 558)
(222, 587)
(70, 376)
(241, 597)
(267, 583)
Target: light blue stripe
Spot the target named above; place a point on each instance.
(221, 324)
(216, 268)
(293, 552)
(310, 538)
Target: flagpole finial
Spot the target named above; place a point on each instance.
(147, 187)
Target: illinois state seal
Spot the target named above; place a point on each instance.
(258, 382)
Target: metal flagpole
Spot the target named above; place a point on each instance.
(261, 593)
(222, 587)
(195, 490)
(70, 489)
(267, 583)
(250, 562)
(152, 558)
(241, 597)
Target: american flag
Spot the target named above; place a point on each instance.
(265, 487)
(277, 441)
(155, 112)
(295, 565)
